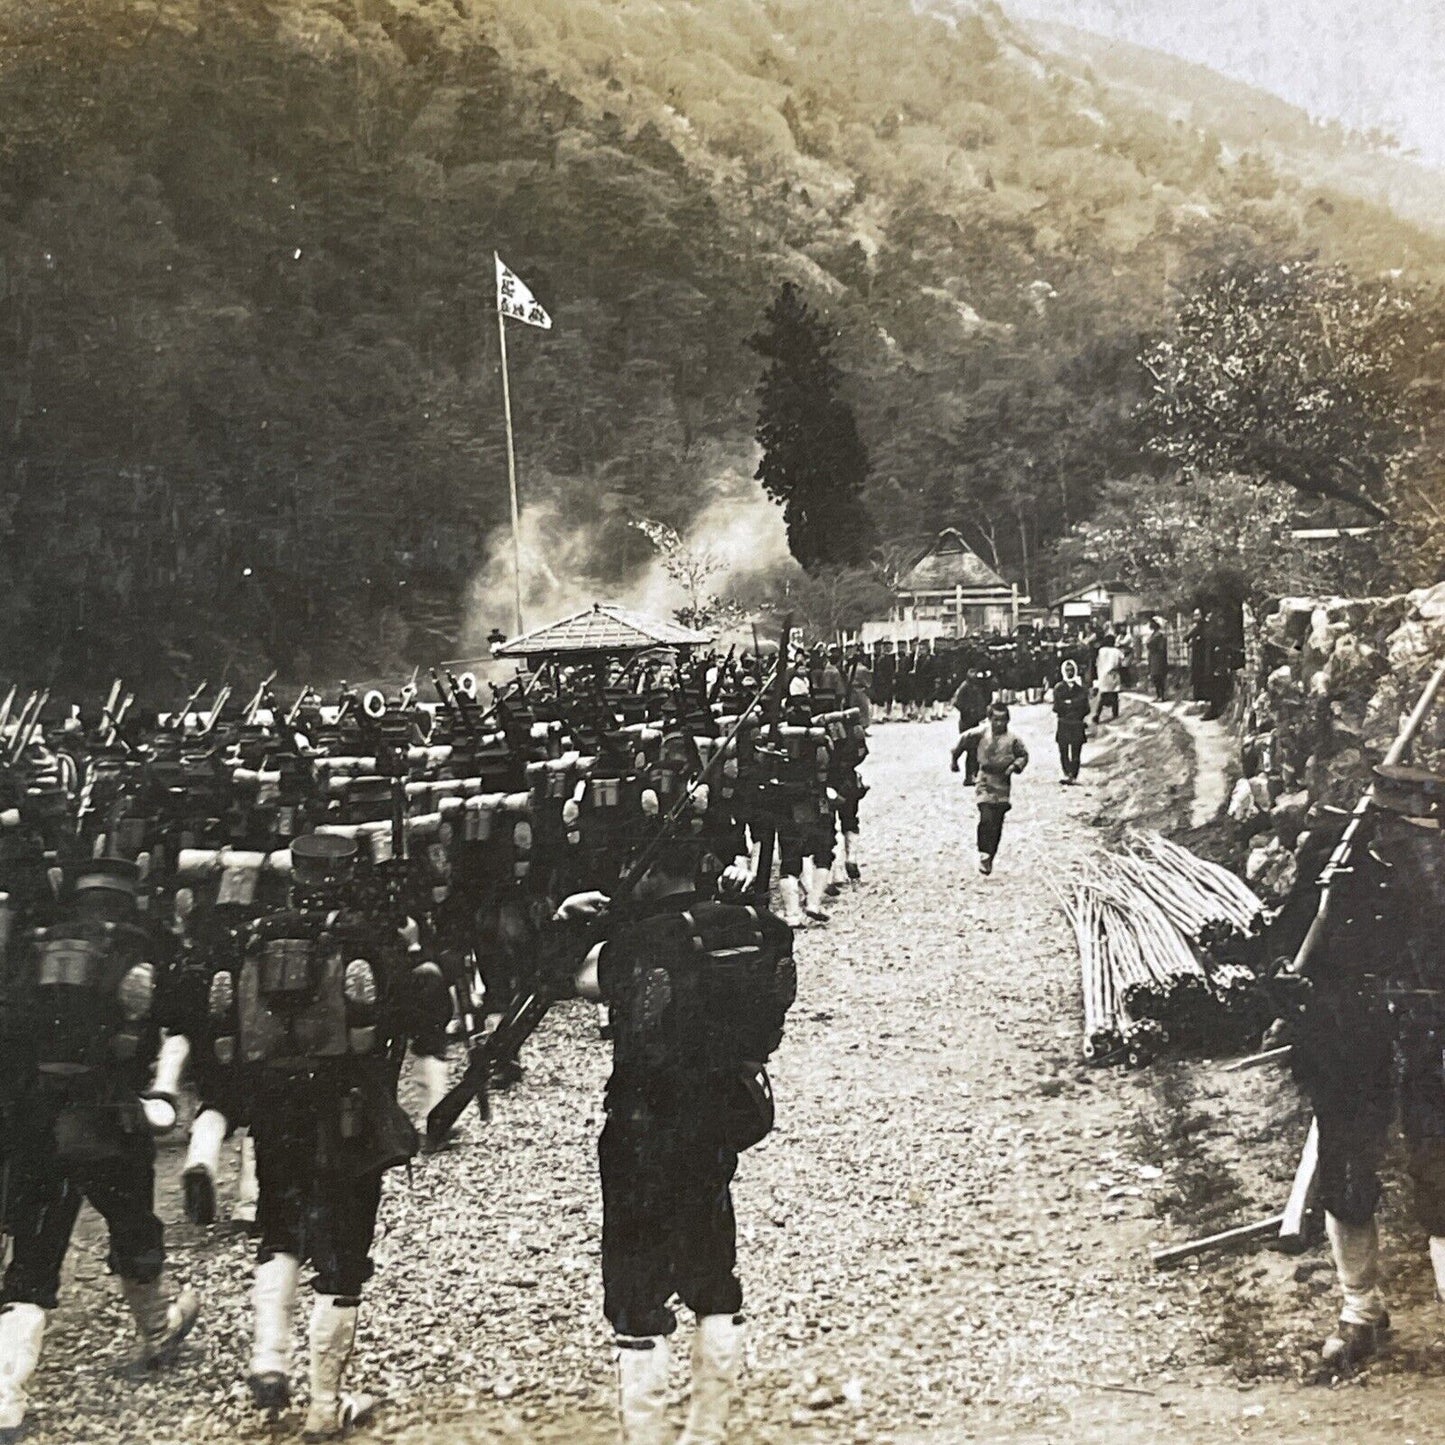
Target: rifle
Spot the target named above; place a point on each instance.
(1339, 862)
(254, 706)
(296, 706)
(762, 882)
(179, 723)
(29, 721)
(222, 698)
(408, 693)
(524, 1017)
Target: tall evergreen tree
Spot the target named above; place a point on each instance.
(814, 462)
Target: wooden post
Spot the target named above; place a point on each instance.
(1241, 1234)
(1294, 1227)
(511, 472)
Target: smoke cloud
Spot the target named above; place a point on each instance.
(563, 570)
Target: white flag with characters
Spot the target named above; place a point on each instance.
(515, 300)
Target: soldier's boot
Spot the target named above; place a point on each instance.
(1437, 1263)
(161, 1322)
(817, 882)
(22, 1328)
(642, 1389)
(433, 1075)
(203, 1164)
(331, 1414)
(273, 1305)
(791, 890)
(851, 858)
(161, 1100)
(1363, 1320)
(248, 1187)
(717, 1360)
(838, 878)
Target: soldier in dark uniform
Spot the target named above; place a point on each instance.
(698, 993)
(322, 1009)
(971, 703)
(1369, 1040)
(76, 1039)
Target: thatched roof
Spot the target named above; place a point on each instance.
(950, 563)
(601, 628)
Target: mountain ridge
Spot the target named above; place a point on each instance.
(246, 336)
(1310, 147)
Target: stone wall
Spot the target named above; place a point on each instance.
(1334, 681)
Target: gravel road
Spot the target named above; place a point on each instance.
(945, 1239)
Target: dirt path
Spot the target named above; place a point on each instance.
(946, 1238)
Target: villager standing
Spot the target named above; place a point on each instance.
(1201, 663)
(1156, 650)
(1071, 707)
(1110, 668)
(1000, 756)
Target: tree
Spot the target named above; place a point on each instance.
(814, 462)
(1167, 539)
(1286, 374)
(824, 603)
(693, 569)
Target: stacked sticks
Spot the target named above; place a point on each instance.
(1161, 936)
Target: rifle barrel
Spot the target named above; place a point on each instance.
(1340, 857)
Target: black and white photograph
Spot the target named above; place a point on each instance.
(722, 722)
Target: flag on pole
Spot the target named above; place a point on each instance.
(514, 299)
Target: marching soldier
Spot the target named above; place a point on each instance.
(320, 1015)
(76, 1035)
(698, 993)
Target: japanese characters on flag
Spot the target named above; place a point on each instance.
(516, 301)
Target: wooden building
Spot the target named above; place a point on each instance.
(950, 591)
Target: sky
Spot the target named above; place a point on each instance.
(1368, 63)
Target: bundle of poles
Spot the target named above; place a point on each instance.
(1161, 935)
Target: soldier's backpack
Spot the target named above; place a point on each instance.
(303, 996)
(714, 1003)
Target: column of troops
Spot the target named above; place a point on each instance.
(282, 902)
(922, 680)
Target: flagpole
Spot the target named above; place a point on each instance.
(511, 469)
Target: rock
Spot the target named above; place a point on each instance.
(1322, 638)
(1347, 721)
(1354, 666)
(1409, 647)
(1243, 807)
(1282, 687)
(1429, 602)
(1271, 869)
(1288, 815)
(1259, 788)
(1295, 614)
(1346, 611)
(1383, 615)
(1336, 779)
(1383, 716)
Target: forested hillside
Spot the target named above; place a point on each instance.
(249, 403)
